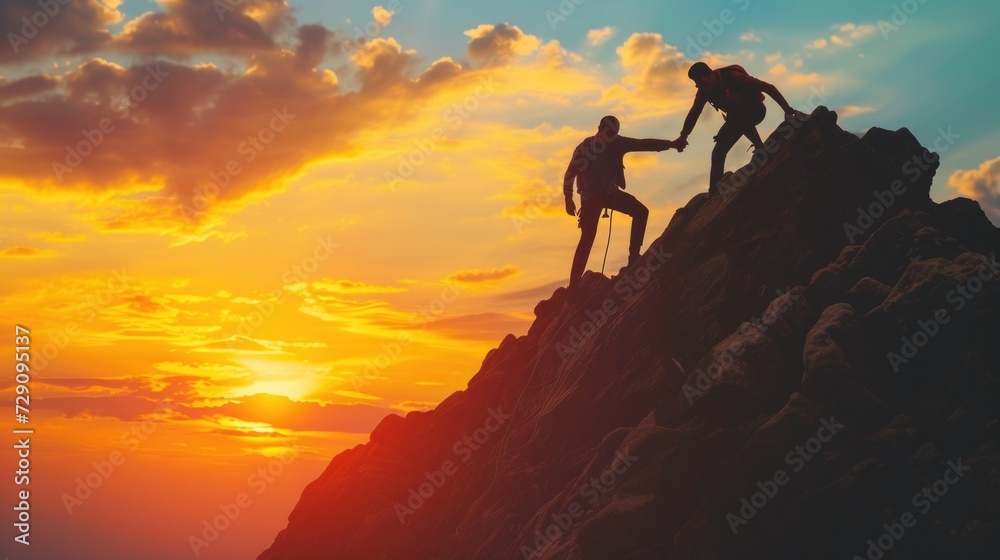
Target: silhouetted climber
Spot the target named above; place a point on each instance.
(740, 97)
(599, 171)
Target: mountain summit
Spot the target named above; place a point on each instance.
(805, 367)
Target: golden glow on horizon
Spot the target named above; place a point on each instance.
(287, 379)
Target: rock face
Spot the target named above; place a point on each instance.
(805, 368)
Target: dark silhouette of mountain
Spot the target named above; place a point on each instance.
(804, 368)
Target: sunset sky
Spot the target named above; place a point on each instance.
(240, 231)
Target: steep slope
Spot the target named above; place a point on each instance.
(776, 378)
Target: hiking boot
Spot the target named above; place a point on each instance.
(632, 259)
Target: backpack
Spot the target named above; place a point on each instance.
(731, 86)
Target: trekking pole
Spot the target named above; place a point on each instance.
(611, 220)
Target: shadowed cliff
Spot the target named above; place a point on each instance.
(803, 368)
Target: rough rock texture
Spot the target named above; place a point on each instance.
(656, 416)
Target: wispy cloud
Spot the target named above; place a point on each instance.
(600, 36)
(25, 252)
(483, 275)
(820, 43)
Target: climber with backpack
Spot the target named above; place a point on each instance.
(740, 97)
(599, 171)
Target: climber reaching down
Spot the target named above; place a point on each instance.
(740, 97)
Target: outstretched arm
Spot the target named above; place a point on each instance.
(692, 117)
(645, 144)
(773, 92)
(690, 120)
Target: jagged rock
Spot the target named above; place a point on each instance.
(827, 366)
(867, 293)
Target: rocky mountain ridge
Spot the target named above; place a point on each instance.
(805, 367)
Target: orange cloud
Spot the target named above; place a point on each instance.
(479, 275)
(201, 141)
(802, 79)
(32, 85)
(352, 287)
(850, 110)
(382, 16)
(77, 27)
(58, 236)
(23, 252)
(554, 56)
(409, 406)
(597, 37)
(857, 31)
(655, 66)
(655, 82)
(314, 46)
(488, 327)
(982, 184)
(270, 410)
(535, 199)
(500, 43)
(190, 27)
(373, 317)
